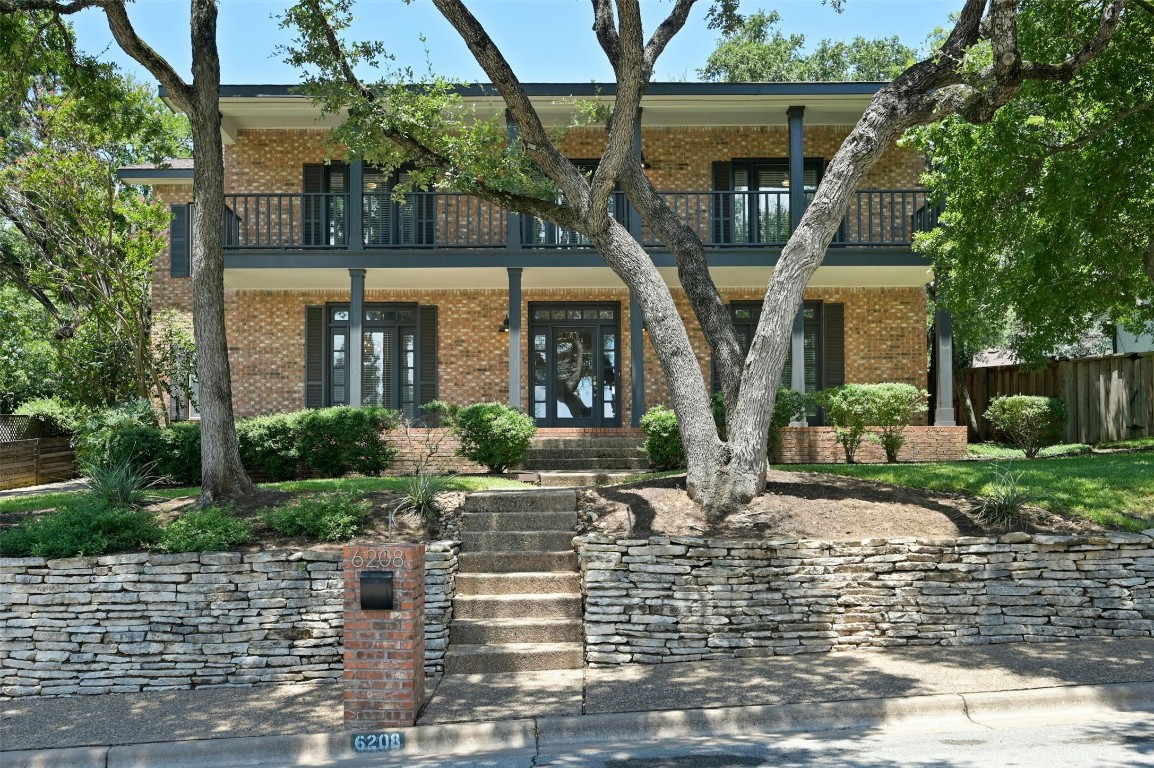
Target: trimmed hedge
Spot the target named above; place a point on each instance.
(1030, 421)
(662, 438)
(493, 434)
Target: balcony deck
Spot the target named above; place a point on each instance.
(883, 219)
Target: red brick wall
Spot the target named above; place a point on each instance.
(384, 651)
(819, 445)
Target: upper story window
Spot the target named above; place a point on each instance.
(758, 210)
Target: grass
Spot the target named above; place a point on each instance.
(1115, 490)
(998, 451)
(1137, 444)
(356, 485)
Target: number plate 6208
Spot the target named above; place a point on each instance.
(378, 742)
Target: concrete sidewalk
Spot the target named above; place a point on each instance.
(488, 713)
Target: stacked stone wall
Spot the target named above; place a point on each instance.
(137, 622)
(667, 599)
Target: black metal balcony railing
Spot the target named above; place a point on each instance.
(443, 220)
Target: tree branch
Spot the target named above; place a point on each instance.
(665, 32)
(1111, 15)
(606, 31)
(124, 33)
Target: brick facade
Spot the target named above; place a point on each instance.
(819, 445)
(885, 327)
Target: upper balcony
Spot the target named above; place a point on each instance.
(325, 221)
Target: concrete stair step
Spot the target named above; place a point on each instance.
(479, 522)
(516, 541)
(543, 606)
(592, 452)
(537, 465)
(481, 631)
(580, 479)
(516, 562)
(513, 657)
(577, 443)
(541, 582)
(536, 500)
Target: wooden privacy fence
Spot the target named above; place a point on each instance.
(36, 461)
(1107, 398)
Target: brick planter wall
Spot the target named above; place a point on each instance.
(127, 623)
(677, 599)
(819, 445)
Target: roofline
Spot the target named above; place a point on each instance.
(603, 89)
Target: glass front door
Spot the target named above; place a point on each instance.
(575, 364)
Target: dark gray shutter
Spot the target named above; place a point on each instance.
(834, 339)
(179, 245)
(314, 357)
(312, 205)
(721, 211)
(428, 353)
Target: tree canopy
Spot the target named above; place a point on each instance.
(1049, 206)
(754, 49)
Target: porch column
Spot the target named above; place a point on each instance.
(944, 338)
(636, 360)
(356, 334)
(797, 351)
(634, 214)
(515, 337)
(512, 218)
(356, 234)
(796, 166)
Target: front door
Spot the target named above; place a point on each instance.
(575, 364)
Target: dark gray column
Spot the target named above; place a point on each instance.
(515, 337)
(512, 219)
(637, 360)
(356, 334)
(944, 338)
(355, 216)
(634, 214)
(797, 350)
(796, 166)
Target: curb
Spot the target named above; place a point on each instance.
(528, 736)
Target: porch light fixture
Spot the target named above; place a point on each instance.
(504, 326)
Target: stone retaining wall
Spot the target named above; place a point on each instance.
(678, 599)
(819, 445)
(126, 623)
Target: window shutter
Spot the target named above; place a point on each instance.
(428, 353)
(312, 205)
(179, 242)
(834, 333)
(314, 357)
(721, 212)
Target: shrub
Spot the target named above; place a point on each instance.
(96, 433)
(790, 405)
(662, 438)
(81, 526)
(894, 406)
(493, 434)
(173, 453)
(1029, 421)
(119, 482)
(270, 444)
(333, 516)
(420, 492)
(336, 441)
(212, 529)
(52, 417)
(849, 409)
(1004, 508)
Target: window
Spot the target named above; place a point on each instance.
(410, 221)
(398, 356)
(182, 402)
(538, 232)
(757, 209)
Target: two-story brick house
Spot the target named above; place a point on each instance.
(456, 299)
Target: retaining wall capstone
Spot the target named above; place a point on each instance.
(667, 599)
(135, 622)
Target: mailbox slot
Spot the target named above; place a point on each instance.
(376, 590)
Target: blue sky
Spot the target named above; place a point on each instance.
(544, 40)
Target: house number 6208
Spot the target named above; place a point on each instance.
(372, 558)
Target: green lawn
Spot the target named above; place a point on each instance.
(1116, 490)
(356, 484)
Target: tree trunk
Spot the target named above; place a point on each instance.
(223, 475)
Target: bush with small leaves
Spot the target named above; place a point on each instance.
(336, 516)
(269, 444)
(894, 407)
(336, 441)
(493, 434)
(662, 438)
(1029, 421)
(212, 529)
(52, 417)
(850, 409)
(173, 453)
(80, 526)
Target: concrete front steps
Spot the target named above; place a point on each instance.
(518, 602)
(574, 451)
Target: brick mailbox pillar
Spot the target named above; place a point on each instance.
(384, 652)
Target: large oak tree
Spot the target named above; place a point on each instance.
(224, 476)
(979, 67)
